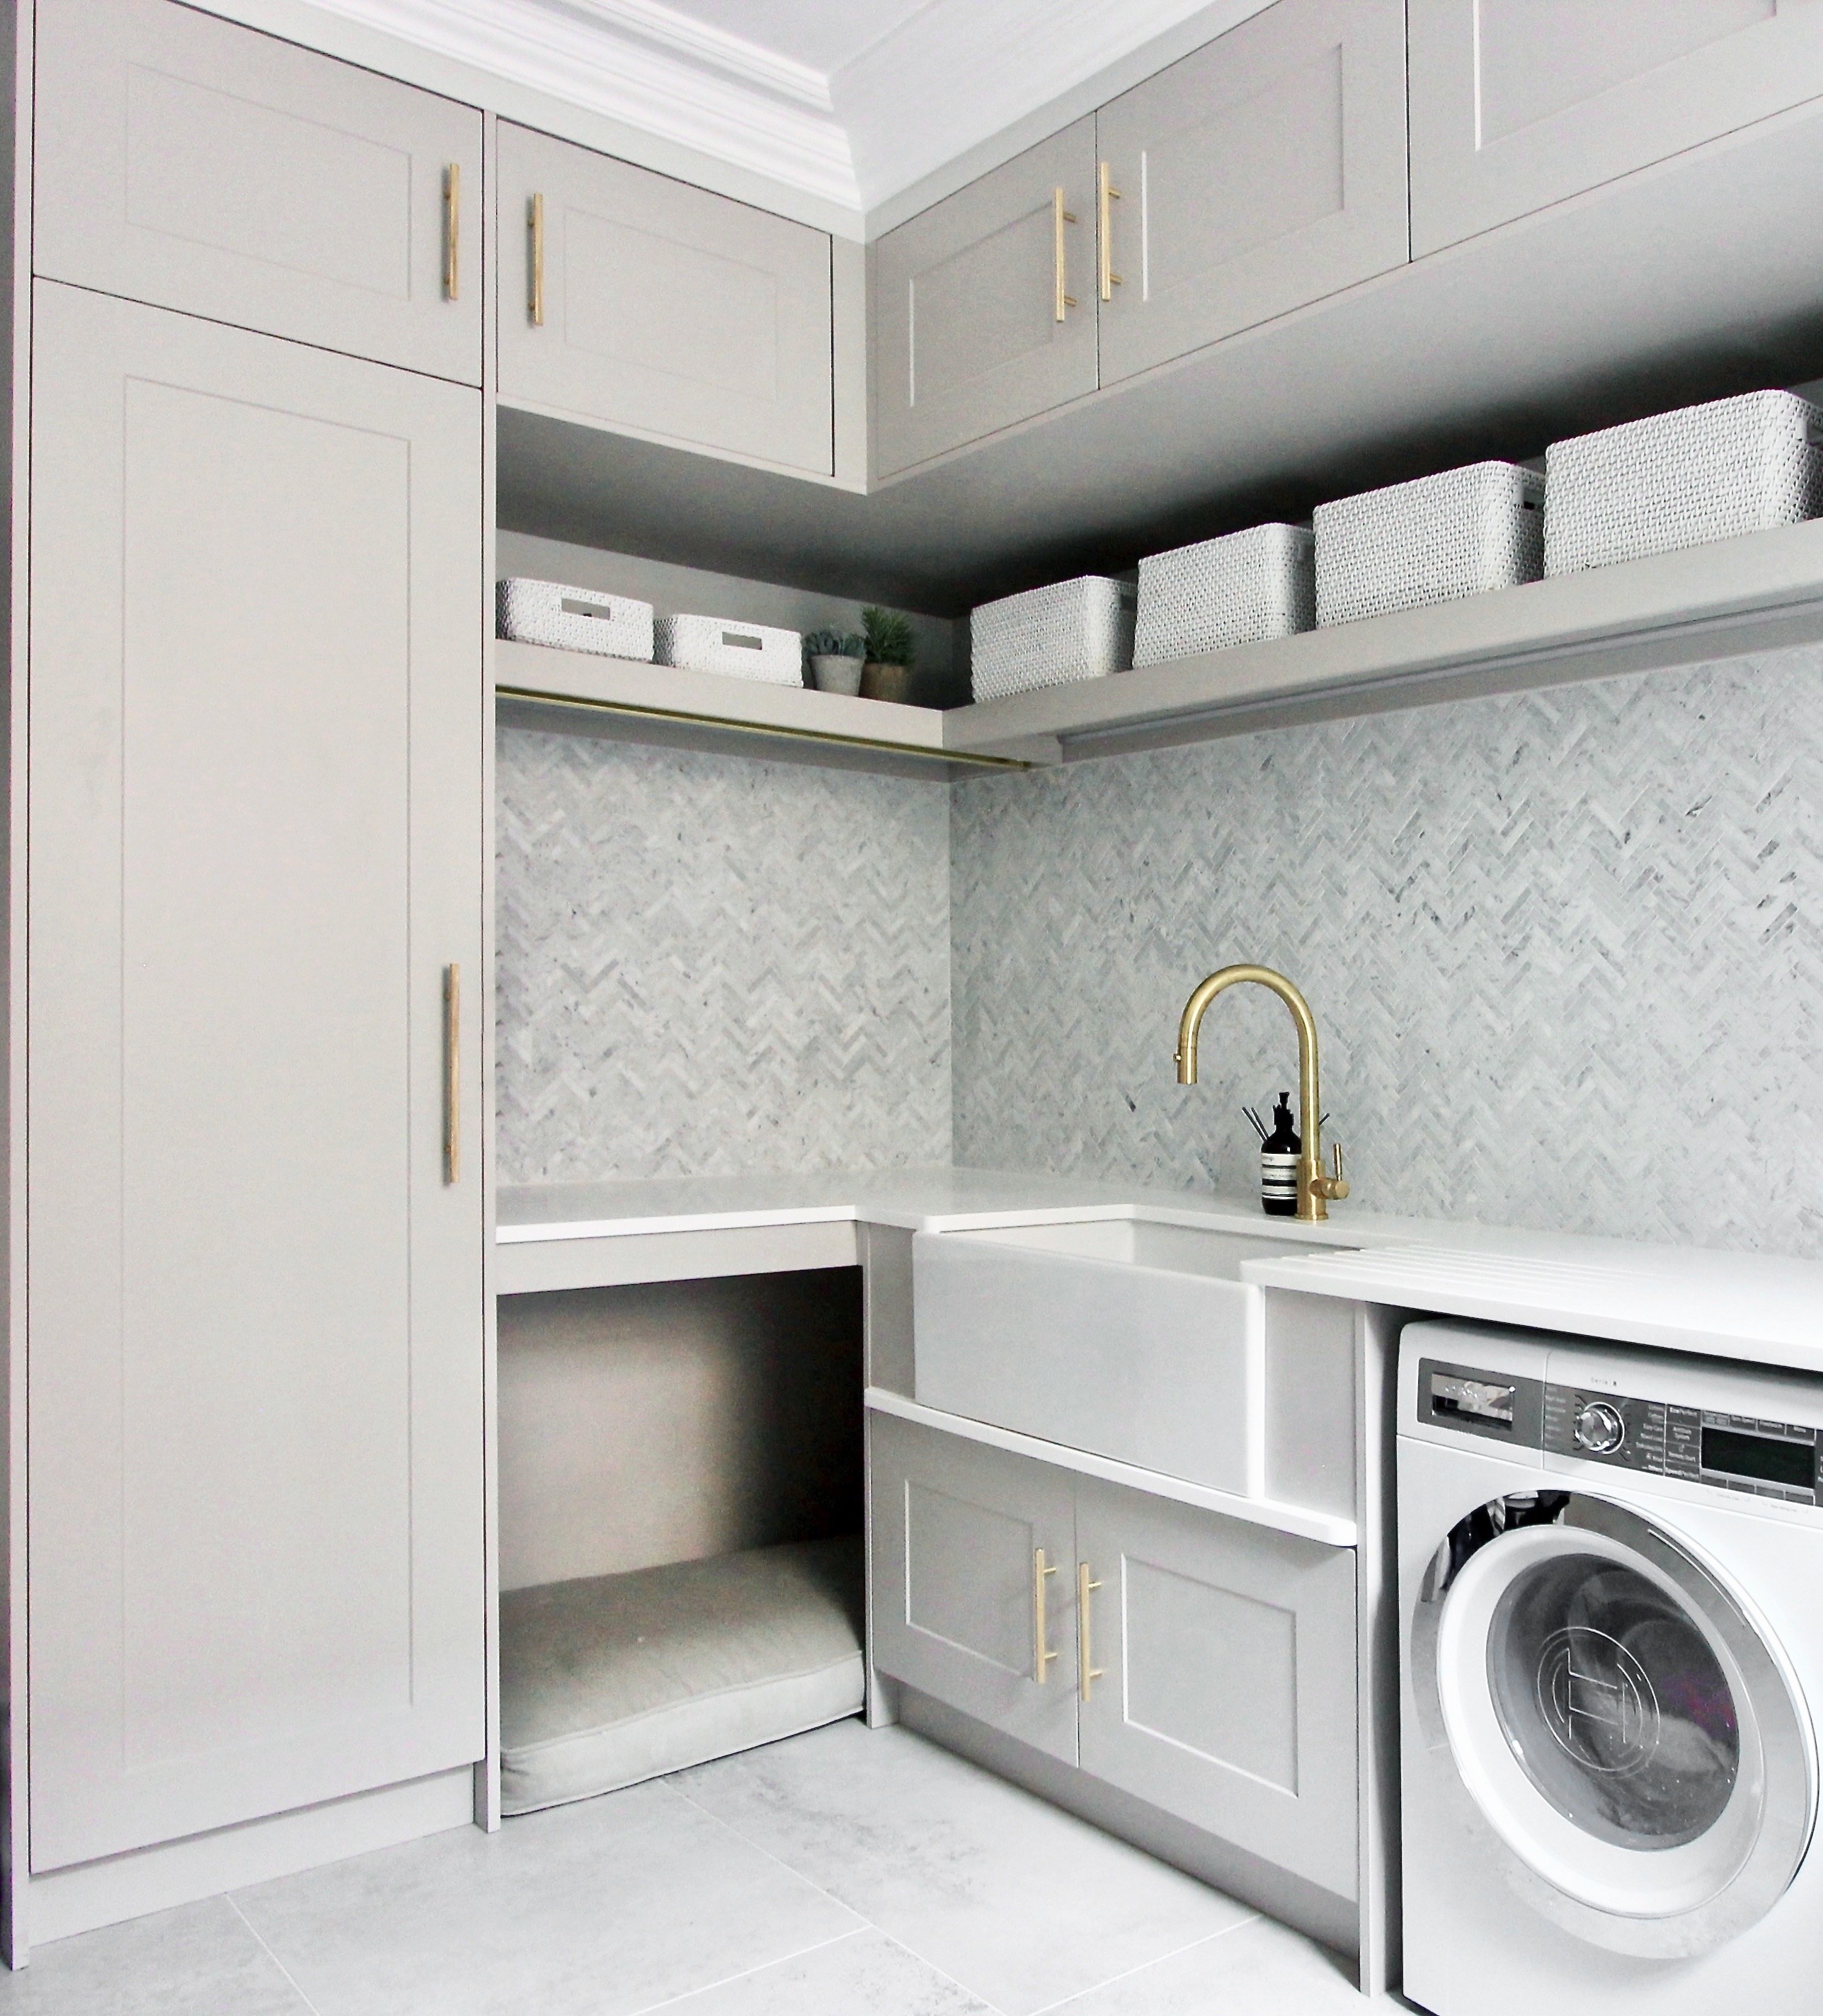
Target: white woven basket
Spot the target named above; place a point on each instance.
(1434, 540)
(1681, 479)
(1080, 629)
(1235, 590)
(742, 651)
(574, 619)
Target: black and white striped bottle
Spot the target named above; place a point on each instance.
(1278, 1163)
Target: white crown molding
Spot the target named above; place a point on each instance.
(640, 63)
(975, 68)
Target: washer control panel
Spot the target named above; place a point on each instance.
(1735, 1451)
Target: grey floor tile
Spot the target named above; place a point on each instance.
(1022, 1904)
(865, 1975)
(199, 1960)
(598, 1909)
(1258, 1969)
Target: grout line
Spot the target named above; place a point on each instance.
(234, 1905)
(759, 1848)
(746, 1973)
(1158, 1960)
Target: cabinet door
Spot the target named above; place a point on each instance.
(1519, 103)
(954, 1579)
(182, 161)
(646, 304)
(1264, 171)
(984, 311)
(1227, 1695)
(257, 719)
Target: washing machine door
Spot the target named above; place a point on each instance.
(1623, 1726)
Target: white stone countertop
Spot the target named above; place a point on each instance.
(1761, 1308)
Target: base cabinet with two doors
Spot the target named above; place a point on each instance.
(1202, 1664)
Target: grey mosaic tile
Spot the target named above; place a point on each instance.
(709, 963)
(1565, 949)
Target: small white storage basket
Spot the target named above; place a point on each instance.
(1434, 540)
(742, 650)
(1682, 479)
(1080, 629)
(575, 619)
(1235, 590)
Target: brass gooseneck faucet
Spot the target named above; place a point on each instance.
(1315, 1189)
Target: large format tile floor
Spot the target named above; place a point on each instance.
(846, 1873)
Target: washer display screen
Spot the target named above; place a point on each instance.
(1793, 1463)
(1613, 1704)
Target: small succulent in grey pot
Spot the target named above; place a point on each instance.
(835, 658)
(891, 649)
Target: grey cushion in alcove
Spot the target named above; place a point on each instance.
(616, 1678)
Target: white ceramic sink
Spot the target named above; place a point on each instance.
(1132, 1338)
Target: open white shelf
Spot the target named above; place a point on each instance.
(536, 674)
(1757, 592)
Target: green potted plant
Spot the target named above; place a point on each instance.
(891, 649)
(835, 658)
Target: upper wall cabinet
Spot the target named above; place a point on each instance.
(639, 303)
(1264, 171)
(183, 161)
(1517, 104)
(984, 306)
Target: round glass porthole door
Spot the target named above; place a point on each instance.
(1627, 1731)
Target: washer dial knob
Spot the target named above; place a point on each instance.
(1599, 1427)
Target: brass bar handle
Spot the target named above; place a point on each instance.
(535, 300)
(451, 1073)
(453, 232)
(1107, 196)
(1085, 1658)
(1043, 1656)
(1060, 216)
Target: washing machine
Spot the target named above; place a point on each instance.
(1610, 1611)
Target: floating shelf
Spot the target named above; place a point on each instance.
(537, 675)
(1757, 592)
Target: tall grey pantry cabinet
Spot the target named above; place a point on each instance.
(257, 721)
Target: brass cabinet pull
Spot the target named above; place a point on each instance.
(1040, 1634)
(1108, 195)
(1088, 1670)
(451, 1073)
(453, 232)
(1059, 218)
(535, 302)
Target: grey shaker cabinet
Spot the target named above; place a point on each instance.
(1227, 1692)
(1518, 104)
(188, 162)
(258, 715)
(984, 305)
(639, 303)
(1221, 1655)
(1263, 172)
(953, 1580)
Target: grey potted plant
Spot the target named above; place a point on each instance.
(892, 649)
(835, 657)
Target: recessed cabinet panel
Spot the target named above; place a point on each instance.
(968, 336)
(1517, 104)
(1227, 1690)
(637, 301)
(1264, 171)
(185, 161)
(954, 1603)
(254, 1302)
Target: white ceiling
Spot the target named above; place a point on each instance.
(851, 102)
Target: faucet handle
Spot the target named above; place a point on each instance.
(1335, 1188)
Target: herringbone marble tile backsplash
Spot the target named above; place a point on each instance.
(708, 963)
(1564, 950)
